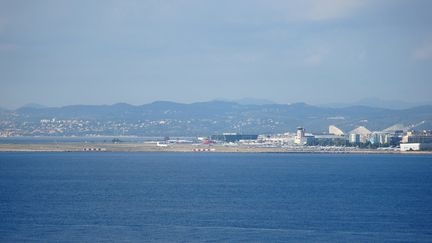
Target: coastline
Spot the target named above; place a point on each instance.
(142, 147)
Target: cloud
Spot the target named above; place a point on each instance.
(423, 52)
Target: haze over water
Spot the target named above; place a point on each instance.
(215, 197)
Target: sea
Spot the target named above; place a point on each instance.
(215, 197)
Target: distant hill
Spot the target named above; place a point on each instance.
(203, 118)
(248, 101)
(254, 101)
(377, 102)
(33, 105)
(3, 111)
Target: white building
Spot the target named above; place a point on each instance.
(302, 138)
(335, 131)
(354, 138)
(279, 139)
(379, 138)
(416, 141)
(415, 146)
(363, 132)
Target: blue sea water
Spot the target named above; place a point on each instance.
(186, 197)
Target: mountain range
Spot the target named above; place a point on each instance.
(203, 118)
(379, 103)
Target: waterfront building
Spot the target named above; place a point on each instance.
(379, 138)
(277, 139)
(233, 137)
(302, 138)
(417, 137)
(416, 140)
(330, 139)
(335, 131)
(354, 138)
(363, 132)
(415, 146)
(395, 128)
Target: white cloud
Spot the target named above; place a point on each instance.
(423, 52)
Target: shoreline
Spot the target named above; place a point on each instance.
(192, 148)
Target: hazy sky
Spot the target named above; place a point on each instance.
(317, 51)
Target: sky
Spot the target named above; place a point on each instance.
(61, 52)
